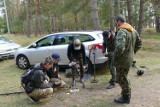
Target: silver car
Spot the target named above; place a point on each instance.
(7, 48)
(58, 43)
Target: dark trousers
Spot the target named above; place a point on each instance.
(112, 68)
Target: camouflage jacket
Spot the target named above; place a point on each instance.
(127, 43)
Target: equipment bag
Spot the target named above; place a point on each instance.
(26, 76)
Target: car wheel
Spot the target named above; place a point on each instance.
(22, 62)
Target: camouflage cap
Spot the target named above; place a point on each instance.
(120, 18)
(77, 44)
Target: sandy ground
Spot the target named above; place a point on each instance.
(145, 92)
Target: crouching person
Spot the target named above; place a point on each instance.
(53, 73)
(36, 83)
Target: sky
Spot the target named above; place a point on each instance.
(1, 12)
(1, 8)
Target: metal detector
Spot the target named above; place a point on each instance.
(73, 87)
(94, 56)
(139, 72)
(9, 93)
(87, 74)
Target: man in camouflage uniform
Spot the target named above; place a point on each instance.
(127, 44)
(109, 44)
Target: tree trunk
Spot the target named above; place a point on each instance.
(95, 16)
(111, 16)
(141, 18)
(76, 20)
(53, 23)
(157, 20)
(157, 24)
(37, 20)
(157, 14)
(129, 8)
(117, 5)
(62, 23)
(28, 31)
(7, 19)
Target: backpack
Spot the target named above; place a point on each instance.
(26, 76)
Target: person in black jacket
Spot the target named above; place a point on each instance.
(108, 51)
(53, 73)
(38, 86)
(76, 53)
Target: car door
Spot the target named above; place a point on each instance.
(43, 49)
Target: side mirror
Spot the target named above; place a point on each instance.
(34, 45)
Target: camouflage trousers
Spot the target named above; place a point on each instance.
(74, 68)
(61, 82)
(122, 79)
(112, 68)
(41, 93)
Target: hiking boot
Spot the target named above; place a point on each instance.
(63, 84)
(110, 86)
(33, 99)
(82, 82)
(122, 99)
(55, 85)
(73, 84)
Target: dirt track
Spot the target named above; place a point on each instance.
(145, 93)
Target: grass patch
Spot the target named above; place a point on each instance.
(23, 40)
(152, 36)
(150, 33)
(147, 58)
(149, 55)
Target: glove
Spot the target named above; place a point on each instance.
(46, 81)
(85, 67)
(105, 55)
(71, 63)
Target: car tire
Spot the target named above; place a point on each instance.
(22, 62)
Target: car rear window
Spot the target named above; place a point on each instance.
(84, 37)
(100, 35)
(62, 39)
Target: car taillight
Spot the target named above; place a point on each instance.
(98, 45)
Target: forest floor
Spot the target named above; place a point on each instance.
(145, 92)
